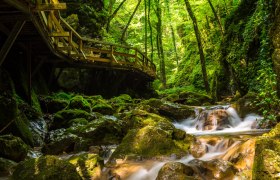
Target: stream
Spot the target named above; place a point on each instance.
(223, 149)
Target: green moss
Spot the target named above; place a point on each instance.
(78, 102)
(50, 104)
(149, 141)
(61, 118)
(89, 166)
(102, 107)
(20, 127)
(45, 167)
(12, 148)
(123, 98)
(62, 96)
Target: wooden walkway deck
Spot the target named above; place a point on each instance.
(66, 43)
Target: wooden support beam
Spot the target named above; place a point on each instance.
(50, 7)
(10, 40)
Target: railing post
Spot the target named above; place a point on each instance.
(135, 57)
(111, 52)
(81, 45)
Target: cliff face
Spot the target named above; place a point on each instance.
(275, 36)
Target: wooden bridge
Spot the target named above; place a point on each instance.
(63, 41)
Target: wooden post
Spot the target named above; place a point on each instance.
(10, 40)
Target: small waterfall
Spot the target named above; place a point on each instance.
(217, 130)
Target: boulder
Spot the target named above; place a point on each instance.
(78, 102)
(151, 141)
(61, 118)
(175, 171)
(45, 167)
(13, 148)
(214, 169)
(103, 107)
(198, 149)
(245, 105)
(267, 157)
(52, 105)
(89, 166)
(59, 141)
(217, 119)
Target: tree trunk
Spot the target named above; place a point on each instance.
(146, 29)
(113, 15)
(129, 21)
(159, 44)
(151, 31)
(216, 17)
(172, 33)
(198, 38)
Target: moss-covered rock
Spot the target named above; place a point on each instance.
(267, 157)
(194, 99)
(245, 105)
(89, 166)
(59, 141)
(171, 110)
(101, 131)
(61, 118)
(6, 167)
(122, 103)
(78, 102)
(176, 171)
(45, 167)
(151, 141)
(52, 105)
(103, 107)
(13, 148)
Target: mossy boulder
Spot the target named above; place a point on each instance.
(78, 102)
(45, 167)
(13, 148)
(59, 141)
(176, 171)
(61, 118)
(122, 103)
(245, 105)
(267, 165)
(194, 99)
(267, 157)
(171, 110)
(6, 167)
(89, 166)
(151, 141)
(102, 106)
(101, 131)
(52, 105)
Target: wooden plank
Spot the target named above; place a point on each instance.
(59, 34)
(50, 7)
(10, 40)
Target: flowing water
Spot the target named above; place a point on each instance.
(221, 137)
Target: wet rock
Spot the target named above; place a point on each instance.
(178, 134)
(217, 119)
(59, 141)
(78, 102)
(6, 167)
(194, 99)
(89, 166)
(13, 148)
(198, 149)
(214, 169)
(176, 171)
(45, 167)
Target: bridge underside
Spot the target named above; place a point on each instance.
(31, 62)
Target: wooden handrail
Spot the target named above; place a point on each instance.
(68, 41)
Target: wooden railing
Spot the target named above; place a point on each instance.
(67, 41)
